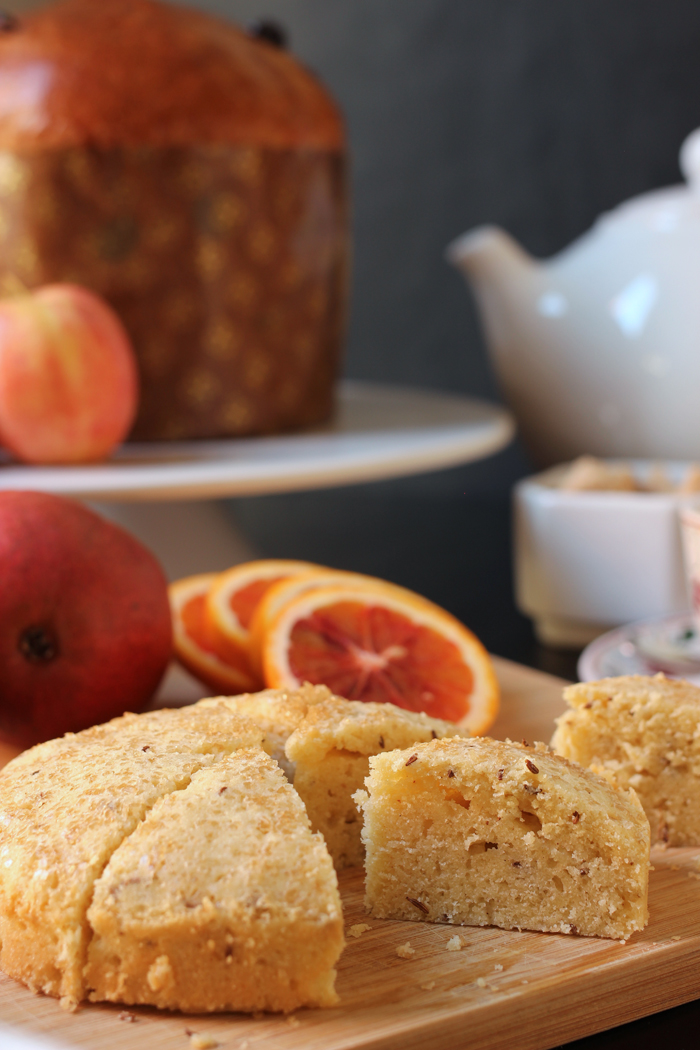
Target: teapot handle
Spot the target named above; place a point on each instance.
(689, 159)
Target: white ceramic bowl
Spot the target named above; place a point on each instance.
(589, 561)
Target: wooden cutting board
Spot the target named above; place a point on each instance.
(529, 991)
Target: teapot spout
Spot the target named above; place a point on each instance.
(503, 278)
(488, 255)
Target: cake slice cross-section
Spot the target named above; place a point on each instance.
(481, 832)
(330, 751)
(221, 899)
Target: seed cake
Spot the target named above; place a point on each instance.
(480, 832)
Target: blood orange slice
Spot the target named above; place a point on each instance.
(235, 594)
(283, 591)
(221, 665)
(387, 646)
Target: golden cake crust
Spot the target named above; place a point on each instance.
(66, 805)
(278, 712)
(80, 913)
(221, 899)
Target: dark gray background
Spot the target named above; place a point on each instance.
(534, 114)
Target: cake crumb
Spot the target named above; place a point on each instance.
(675, 938)
(428, 986)
(358, 929)
(126, 1016)
(498, 967)
(292, 1021)
(481, 982)
(201, 1042)
(454, 944)
(405, 951)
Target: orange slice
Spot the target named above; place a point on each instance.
(282, 592)
(236, 593)
(221, 665)
(386, 645)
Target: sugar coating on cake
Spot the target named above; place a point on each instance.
(278, 712)
(66, 805)
(331, 749)
(645, 732)
(480, 832)
(221, 899)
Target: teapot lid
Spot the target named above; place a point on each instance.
(664, 210)
(141, 72)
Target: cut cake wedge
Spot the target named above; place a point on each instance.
(480, 832)
(66, 805)
(221, 899)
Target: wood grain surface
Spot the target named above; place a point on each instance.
(529, 991)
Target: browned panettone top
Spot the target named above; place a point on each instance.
(142, 72)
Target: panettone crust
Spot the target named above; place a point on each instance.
(144, 73)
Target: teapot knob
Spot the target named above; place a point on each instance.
(689, 159)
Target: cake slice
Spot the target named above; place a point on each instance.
(221, 899)
(66, 805)
(479, 832)
(645, 732)
(331, 749)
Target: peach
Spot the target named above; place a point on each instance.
(68, 377)
(85, 628)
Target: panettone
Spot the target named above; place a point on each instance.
(194, 175)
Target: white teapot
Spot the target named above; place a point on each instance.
(598, 348)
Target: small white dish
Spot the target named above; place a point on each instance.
(588, 561)
(670, 644)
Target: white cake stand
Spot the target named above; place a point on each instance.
(168, 494)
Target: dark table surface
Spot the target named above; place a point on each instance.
(453, 546)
